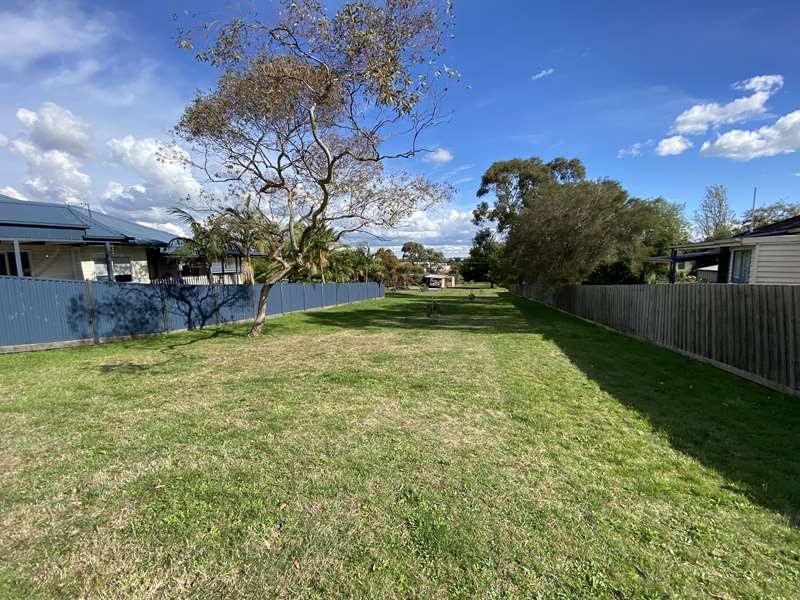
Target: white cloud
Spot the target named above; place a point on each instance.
(443, 228)
(782, 137)
(672, 146)
(700, 117)
(82, 72)
(458, 170)
(7, 190)
(3, 140)
(56, 128)
(543, 73)
(41, 29)
(172, 228)
(463, 180)
(761, 83)
(167, 178)
(52, 174)
(634, 150)
(439, 156)
(53, 145)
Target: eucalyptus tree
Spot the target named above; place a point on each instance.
(309, 106)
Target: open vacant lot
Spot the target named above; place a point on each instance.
(501, 449)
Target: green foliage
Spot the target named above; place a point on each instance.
(516, 183)
(209, 241)
(714, 218)
(571, 229)
(485, 257)
(416, 253)
(769, 214)
(561, 227)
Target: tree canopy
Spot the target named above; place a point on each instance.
(483, 263)
(714, 218)
(769, 214)
(516, 183)
(303, 109)
(560, 227)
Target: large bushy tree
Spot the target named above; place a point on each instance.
(560, 227)
(571, 229)
(307, 108)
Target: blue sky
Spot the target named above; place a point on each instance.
(88, 92)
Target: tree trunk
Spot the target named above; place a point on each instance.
(261, 311)
(247, 269)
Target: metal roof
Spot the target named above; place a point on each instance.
(21, 212)
(136, 234)
(785, 227)
(49, 222)
(790, 226)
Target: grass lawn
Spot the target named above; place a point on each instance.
(502, 449)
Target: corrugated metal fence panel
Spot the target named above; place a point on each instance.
(314, 295)
(236, 302)
(752, 328)
(293, 297)
(42, 310)
(329, 294)
(127, 309)
(274, 301)
(191, 306)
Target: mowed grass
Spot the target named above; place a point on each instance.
(501, 449)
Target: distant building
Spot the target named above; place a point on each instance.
(437, 280)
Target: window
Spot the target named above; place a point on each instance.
(122, 269)
(740, 269)
(100, 269)
(8, 264)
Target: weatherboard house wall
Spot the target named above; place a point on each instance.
(768, 255)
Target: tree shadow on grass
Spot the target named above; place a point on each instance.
(169, 347)
(747, 433)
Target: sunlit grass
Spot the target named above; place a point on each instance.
(499, 449)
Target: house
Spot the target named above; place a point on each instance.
(58, 241)
(436, 280)
(764, 255)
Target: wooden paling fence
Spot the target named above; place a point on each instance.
(751, 330)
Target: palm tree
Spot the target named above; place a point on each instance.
(319, 251)
(209, 241)
(248, 230)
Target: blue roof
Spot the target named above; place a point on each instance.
(20, 212)
(45, 221)
(136, 234)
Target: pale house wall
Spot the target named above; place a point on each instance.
(777, 261)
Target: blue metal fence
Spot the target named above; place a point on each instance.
(36, 312)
